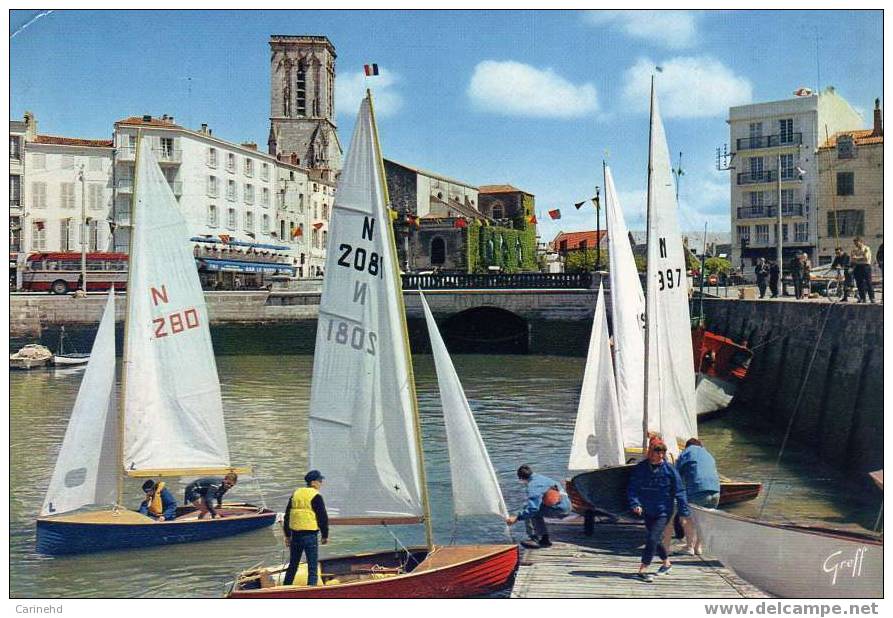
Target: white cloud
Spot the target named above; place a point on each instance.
(673, 29)
(516, 89)
(350, 89)
(688, 87)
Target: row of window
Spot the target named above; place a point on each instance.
(785, 130)
(319, 238)
(787, 167)
(757, 199)
(94, 194)
(247, 165)
(70, 235)
(38, 161)
(247, 191)
(762, 231)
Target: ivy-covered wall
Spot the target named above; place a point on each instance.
(513, 249)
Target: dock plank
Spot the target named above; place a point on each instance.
(604, 565)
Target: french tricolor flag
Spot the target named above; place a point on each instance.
(370, 69)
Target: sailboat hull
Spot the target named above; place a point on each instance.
(795, 561)
(454, 571)
(604, 490)
(94, 531)
(721, 365)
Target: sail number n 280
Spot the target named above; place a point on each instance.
(355, 336)
(175, 323)
(666, 279)
(359, 259)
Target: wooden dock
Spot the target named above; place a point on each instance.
(604, 565)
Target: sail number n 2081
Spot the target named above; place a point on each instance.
(359, 259)
(666, 279)
(355, 336)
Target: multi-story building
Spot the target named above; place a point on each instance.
(774, 165)
(227, 191)
(851, 189)
(17, 131)
(65, 191)
(302, 103)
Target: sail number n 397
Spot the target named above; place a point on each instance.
(355, 336)
(666, 280)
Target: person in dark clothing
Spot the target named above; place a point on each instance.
(861, 261)
(305, 518)
(159, 503)
(762, 272)
(203, 492)
(653, 487)
(774, 273)
(844, 275)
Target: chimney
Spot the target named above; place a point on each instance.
(170, 119)
(878, 120)
(30, 126)
(147, 118)
(249, 145)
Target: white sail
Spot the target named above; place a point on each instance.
(475, 485)
(671, 378)
(627, 318)
(85, 470)
(598, 437)
(361, 398)
(173, 409)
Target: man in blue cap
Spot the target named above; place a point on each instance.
(305, 517)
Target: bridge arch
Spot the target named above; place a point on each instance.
(486, 329)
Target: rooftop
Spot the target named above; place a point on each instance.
(493, 189)
(72, 141)
(862, 137)
(150, 121)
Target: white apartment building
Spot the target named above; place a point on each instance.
(774, 147)
(64, 189)
(228, 191)
(17, 131)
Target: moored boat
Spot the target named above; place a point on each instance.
(721, 365)
(70, 359)
(795, 561)
(30, 356)
(365, 432)
(170, 419)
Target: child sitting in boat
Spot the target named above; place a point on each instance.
(159, 503)
(203, 492)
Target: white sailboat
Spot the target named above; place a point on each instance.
(170, 418)
(365, 434)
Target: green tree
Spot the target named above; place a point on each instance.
(717, 265)
(579, 261)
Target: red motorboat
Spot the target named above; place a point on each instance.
(447, 572)
(720, 367)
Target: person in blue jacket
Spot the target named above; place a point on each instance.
(544, 499)
(653, 486)
(159, 503)
(697, 467)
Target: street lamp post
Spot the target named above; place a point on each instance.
(778, 257)
(83, 232)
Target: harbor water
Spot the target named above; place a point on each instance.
(525, 407)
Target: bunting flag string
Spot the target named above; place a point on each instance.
(224, 238)
(555, 214)
(532, 219)
(460, 223)
(318, 225)
(296, 232)
(579, 205)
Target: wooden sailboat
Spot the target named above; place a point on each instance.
(721, 364)
(169, 420)
(71, 359)
(647, 330)
(364, 424)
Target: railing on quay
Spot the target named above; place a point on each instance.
(499, 281)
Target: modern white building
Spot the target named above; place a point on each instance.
(774, 148)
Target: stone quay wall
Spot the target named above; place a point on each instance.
(841, 396)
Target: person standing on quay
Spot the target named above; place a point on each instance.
(762, 272)
(305, 518)
(861, 260)
(697, 467)
(653, 486)
(774, 273)
(841, 263)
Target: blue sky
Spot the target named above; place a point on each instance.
(531, 98)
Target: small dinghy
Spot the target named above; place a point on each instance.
(70, 359)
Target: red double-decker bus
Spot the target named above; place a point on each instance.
(61, 272)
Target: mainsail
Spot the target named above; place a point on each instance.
(361, 399)
(173, 410)
(598, 438)
(627, 317)
(85, 470)
(475, 485)
(670, 378)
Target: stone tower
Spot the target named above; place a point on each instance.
(302, 102)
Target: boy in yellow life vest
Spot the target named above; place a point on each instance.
(305, 518)
(160, 503)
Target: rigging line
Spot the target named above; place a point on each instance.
(787, 434)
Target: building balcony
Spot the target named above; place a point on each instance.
(15, 203)
(769, 141)
(124, 185)
(757, 212)
(164, 155)
(751, 178)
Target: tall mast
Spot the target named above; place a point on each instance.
(122, 395)
(416, 422)
(648, 268)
